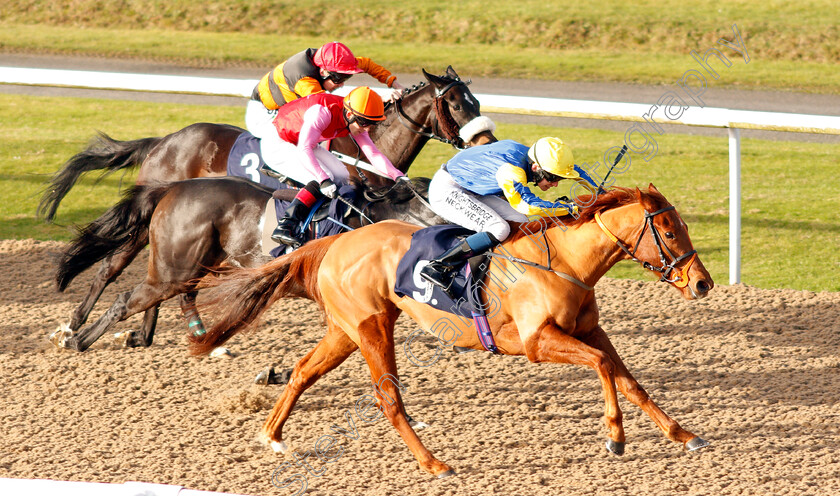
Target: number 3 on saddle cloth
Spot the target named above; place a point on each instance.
(465, 293)
(245, 160)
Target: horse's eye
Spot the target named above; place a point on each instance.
(457, 107)
(670, 235)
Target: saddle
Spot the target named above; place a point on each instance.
(426, 245)
(465, 295)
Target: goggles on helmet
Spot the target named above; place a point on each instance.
(338, 78)
(361, 121)
(541, 174)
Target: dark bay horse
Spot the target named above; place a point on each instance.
(538, 313)
(437, 110)
(191, 226)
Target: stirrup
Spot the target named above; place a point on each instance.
(285, 237)
(438, 277)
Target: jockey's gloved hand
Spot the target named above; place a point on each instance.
(564, 199)
(328, 188)
(572, 208)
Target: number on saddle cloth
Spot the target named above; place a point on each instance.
(245, 160)
(426, 245)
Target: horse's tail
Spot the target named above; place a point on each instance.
(123, 224)
(103, 153)
(243, 295)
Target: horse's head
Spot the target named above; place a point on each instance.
(457, 112)
(654, 235)
(667, 248)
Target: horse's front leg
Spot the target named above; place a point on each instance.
(631, 389)
(551, 344)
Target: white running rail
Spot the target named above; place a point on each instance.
(734, 120)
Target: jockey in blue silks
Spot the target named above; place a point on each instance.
(484, 187)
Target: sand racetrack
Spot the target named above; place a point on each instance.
(755, 372)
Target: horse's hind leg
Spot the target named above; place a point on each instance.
(190, 313)
(630, 388)
(328, 354)
(109, 270)
(376, 334)
(145, 335)
(141, 298)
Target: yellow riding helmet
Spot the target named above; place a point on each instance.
(365, 103)
(554, 156)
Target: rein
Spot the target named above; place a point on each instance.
(548, 268)
(373, 197)
(452, 137)
(680, 279)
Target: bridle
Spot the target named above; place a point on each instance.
(451, 138)
(680, 278)
(450, 135)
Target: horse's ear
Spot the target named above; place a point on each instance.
(436, 80)
(451, 72)
(652, 189)
(639, 195)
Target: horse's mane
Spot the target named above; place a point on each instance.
(614, 198)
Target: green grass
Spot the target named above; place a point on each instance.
(791, 229)
(792, 45)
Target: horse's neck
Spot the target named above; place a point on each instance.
(583, 251)
(403, 133)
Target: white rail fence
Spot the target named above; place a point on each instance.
(733, 120)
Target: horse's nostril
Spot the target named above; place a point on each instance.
(703, 287)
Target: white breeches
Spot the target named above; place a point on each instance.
(258, 119)
(488, 213)
(285, 158)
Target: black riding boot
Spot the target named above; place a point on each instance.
(441, 271)
(288, 231)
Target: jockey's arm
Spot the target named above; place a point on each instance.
(586, 180)
(376, 157)
(376, 71)
(308, 86)
(513, 182)
(315, 121)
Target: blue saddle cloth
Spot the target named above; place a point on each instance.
(428, 244)
(245, 160)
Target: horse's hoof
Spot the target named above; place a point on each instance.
(279, 447)
(221, 352)
(60, 336)
(264, 377)
(417, 425)
(615, 447)
(124, 339)
(448, 473)
(696, 443)
(462, 349)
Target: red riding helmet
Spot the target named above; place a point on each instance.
(336, 57)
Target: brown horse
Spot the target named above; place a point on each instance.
(546, 315)
(437, 110)
(192, 226)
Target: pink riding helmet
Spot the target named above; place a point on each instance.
(336, 57)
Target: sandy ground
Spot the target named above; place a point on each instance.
(753, 371)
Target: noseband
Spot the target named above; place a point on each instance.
(680, 278)
(451, 135)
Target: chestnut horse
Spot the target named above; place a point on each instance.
(546, 315)
(192, 226)
(438, 110)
